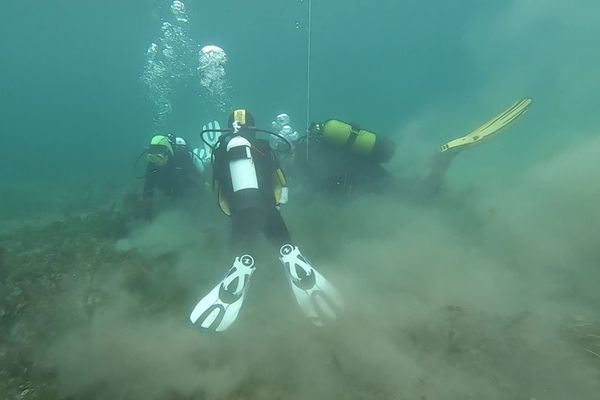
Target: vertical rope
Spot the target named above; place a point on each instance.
(308, 62)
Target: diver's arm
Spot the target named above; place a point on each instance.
(150, 184)
(196, 177)
(281, 180)
(284, 198)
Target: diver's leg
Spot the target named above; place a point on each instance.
(220, 307)
(275, 228)
(245, 226)
(437, 174)
(442, 160)
(317, 298)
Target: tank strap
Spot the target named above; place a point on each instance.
(354, 131)
(239, 153)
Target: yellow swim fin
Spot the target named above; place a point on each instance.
(489, 128)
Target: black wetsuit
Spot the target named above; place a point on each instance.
(175, 179)
(260, 214)
(336, 170)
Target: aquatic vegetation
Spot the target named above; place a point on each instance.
(71, 297)
(49, 283)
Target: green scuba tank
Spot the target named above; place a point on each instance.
(361, 142)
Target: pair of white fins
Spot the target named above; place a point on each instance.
(317, 298)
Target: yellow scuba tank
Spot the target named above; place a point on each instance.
(360, 141)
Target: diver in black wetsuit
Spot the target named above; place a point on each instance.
(251, 199)
(170, 169)
(343, 158)
(250, 185)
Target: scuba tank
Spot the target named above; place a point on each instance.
(242, 170)
(361, 142)
(236, 181)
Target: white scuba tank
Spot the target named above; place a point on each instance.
(241, 165)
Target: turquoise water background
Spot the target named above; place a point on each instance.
(75, 115)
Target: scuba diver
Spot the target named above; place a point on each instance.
(250, 185)
(341, 157)
(172, 169)
(282, 125)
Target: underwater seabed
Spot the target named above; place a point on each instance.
(469, 296)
